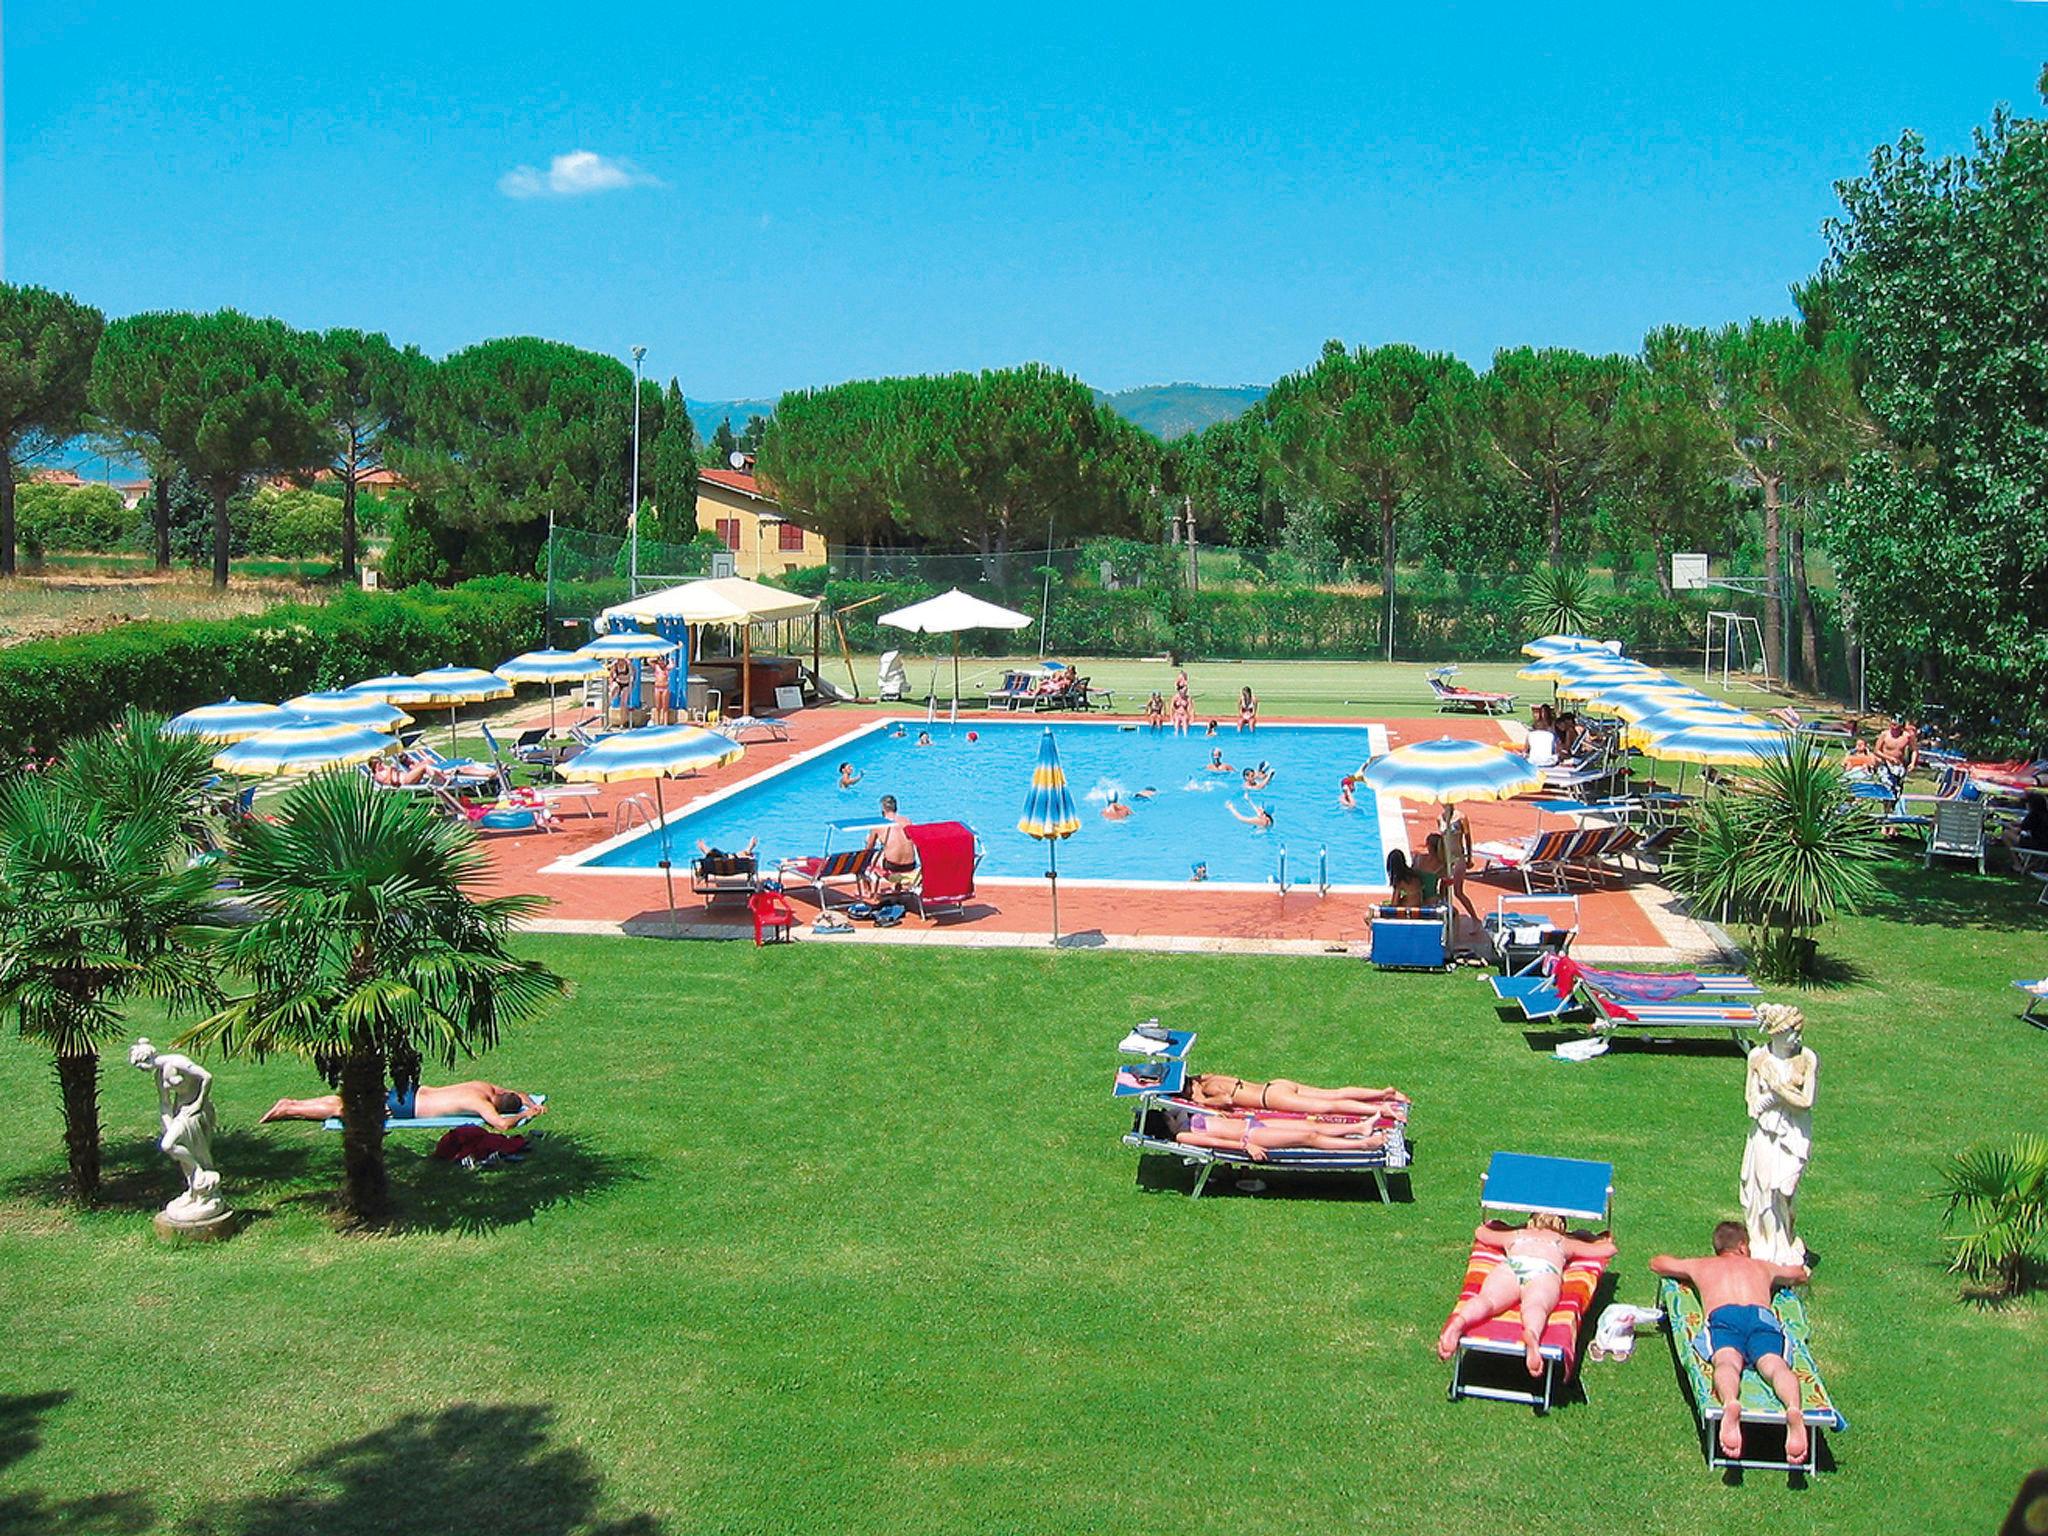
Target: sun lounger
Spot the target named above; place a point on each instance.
(720, 876)
(770, 730)
(1409, 938)
(2037, 998)
(1524, 930)
(848, 867)
(1520, 1184)
(1540, 999)
(1760, 1404)
(1556, 858)
(1151, 1086)
(946, 858)
(424, 1122)
(1453, 699)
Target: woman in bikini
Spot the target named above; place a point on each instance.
(1256, 1138)
(1247, 709)
(1219, 1090)
(1155, 710)
(1530, 1276)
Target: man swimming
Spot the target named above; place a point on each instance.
(499, 1108)
(1116, 810)
(1743, 1332)
(1216, 763)
(1260, 817)
(848, 776)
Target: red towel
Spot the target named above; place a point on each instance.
(945, 857)
(477, 1141)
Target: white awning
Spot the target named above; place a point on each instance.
(726, 600)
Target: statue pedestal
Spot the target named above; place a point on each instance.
(211, 1229)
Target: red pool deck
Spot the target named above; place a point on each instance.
(1636, 921)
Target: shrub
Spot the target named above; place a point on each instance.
(51, 518)
(296, 524)
(1558, 600)
(1995, 1211)
(51, 689)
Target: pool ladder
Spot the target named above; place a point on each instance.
(634, 810)
(1322, 871)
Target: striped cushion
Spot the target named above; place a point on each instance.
(1561, 1335)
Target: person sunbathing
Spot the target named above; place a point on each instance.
(1257, 1138)
(1219, 1090)
(1742, 1330)
(499, 1108)
(1530, 1276)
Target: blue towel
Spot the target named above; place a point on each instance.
(425, 1122)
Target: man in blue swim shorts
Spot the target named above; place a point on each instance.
(1743, 1333)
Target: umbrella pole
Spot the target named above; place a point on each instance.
(1052, 852)
(956, 671)
(668, 877)
(451, 730)
(746, 669)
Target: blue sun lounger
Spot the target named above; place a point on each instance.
(1760, 1404)
(425, 1122)
(2037, 996)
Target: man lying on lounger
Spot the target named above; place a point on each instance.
(1742, 1330)
(499, 1108)
(1218, 1090)
(1530, 1276)
(1257, 1138)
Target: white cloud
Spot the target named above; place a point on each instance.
(576, 174)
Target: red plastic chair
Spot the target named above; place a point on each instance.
(772, 917)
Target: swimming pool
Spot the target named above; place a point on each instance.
(984, 782)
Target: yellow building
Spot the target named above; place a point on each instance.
(764, 540)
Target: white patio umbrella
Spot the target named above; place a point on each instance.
(948, 614)
(455, 686)
(723, 600)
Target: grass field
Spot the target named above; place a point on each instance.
(844, 1240)
(77, 599)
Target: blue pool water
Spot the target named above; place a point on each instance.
(984, 783)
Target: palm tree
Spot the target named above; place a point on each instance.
(135, 769)
(369, 941)
(1996, 1208)
(1783, 849)
(1557, 600)
(96, 907)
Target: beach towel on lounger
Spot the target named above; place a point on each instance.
(1625, 986)
(1760, 1404)
(1504, 1333)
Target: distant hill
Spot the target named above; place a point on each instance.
(1174, 410)
(705, 415)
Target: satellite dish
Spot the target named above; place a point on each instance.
(736, 459)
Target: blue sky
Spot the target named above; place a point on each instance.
(788, 195)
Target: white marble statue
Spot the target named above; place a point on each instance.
(1779, 1090)
(185, 1108)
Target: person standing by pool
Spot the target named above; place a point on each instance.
(1183, 706)
(1247, 709)
(658, 712)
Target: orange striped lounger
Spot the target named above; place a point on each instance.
(1503, 1335)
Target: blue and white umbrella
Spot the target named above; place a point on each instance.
(550, 667)
(229, 721)
(400, 688)
(1050, 815)
(1445, 771)
(347, 708)
(455, 686)
(1563, 645)
(628, 645)
(653, 752)
(303, 747)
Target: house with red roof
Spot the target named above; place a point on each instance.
(765, 537)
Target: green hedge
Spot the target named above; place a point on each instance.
(52, 689)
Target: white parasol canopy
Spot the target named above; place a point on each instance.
(721, 600)
(948, 614)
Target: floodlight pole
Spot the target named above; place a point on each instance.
(633, 513)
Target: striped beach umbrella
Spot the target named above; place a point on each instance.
(303, 747)
(1563, 645)
(653, 752)
(229, 721)
(338, 704)
(1575, 667)
(1731, 745)
(1050, 815)
(550, 667)
(1637, 701)
(454, 687)
(1445, 771)
(630, 645)
(1687, 717)
(1589, 680)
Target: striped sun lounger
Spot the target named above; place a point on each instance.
(1520, 1184)
(1668, 1019)
(1760, 1404)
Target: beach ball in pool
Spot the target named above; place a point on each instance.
(974, 735)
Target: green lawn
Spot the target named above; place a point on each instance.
(844, 1240)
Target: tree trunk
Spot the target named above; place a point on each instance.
(1556, 517)
(220, 538)
(1802, 597)
(78, 1077)
(6, 517)
(368, 1194)
(160, 518)
(348, 527)
(1387, 565)
(1660, 567)
(1774, 589)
